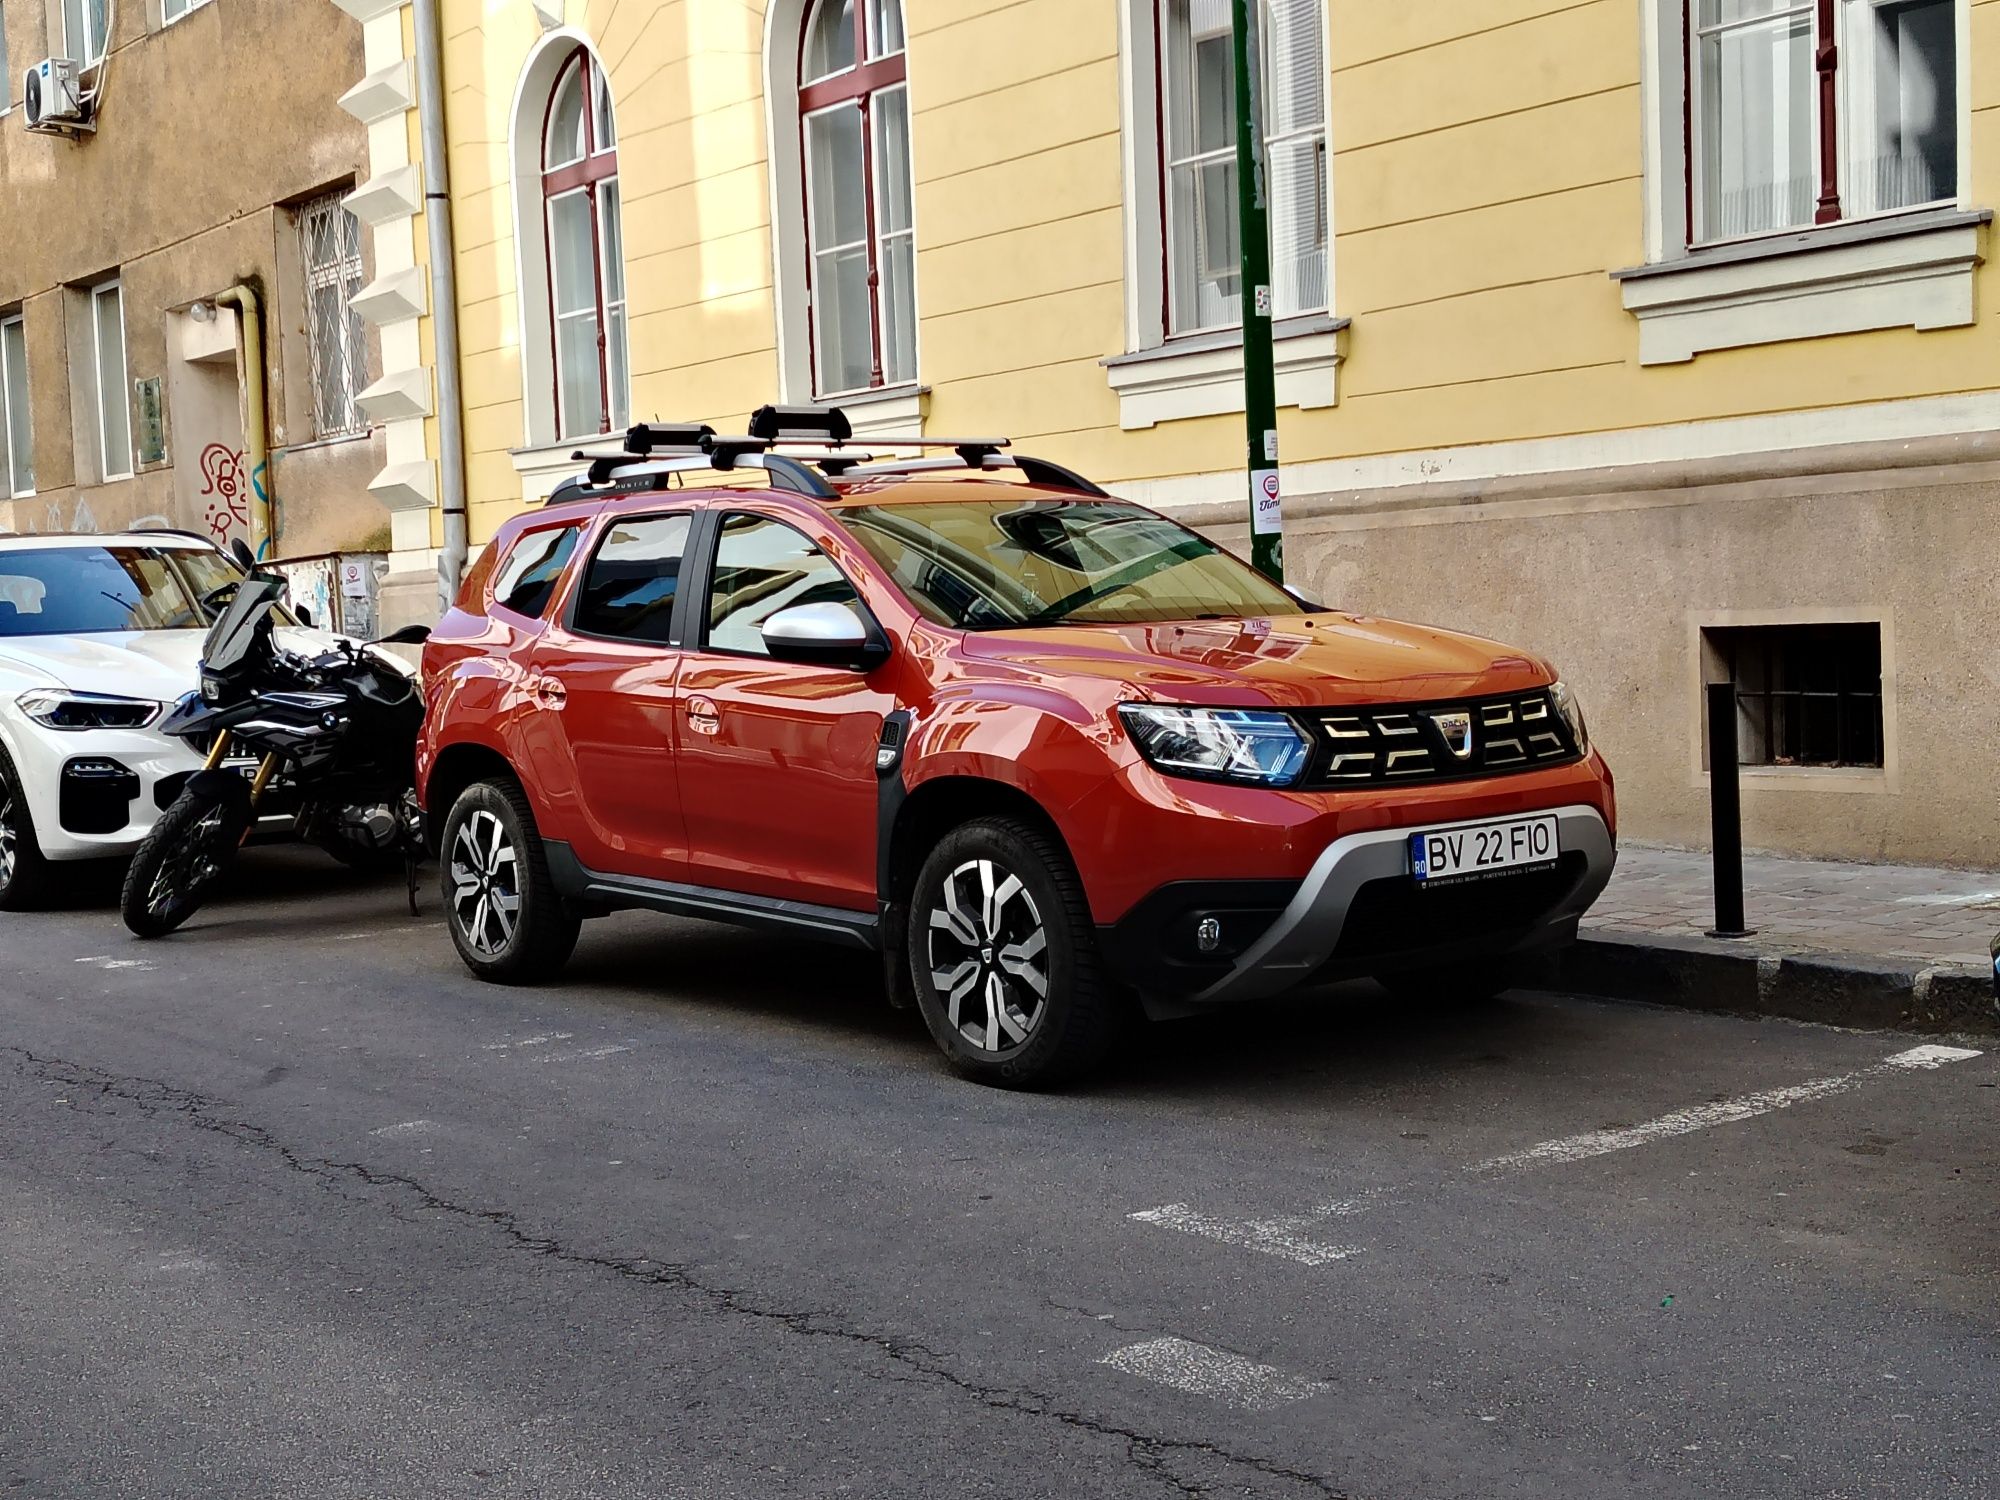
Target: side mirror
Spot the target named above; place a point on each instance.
(409, 635)
(240, 550)
(827, 635)
(304, 616)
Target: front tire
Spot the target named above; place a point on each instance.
(507, 920)
(185, 856)
(25, 876)
(1003, 957)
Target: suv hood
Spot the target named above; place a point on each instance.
(161, 665)
(1323, 659)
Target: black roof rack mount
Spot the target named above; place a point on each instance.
(816, 441)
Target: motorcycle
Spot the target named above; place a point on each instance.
(336, 731)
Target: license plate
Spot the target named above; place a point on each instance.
(1483, 848)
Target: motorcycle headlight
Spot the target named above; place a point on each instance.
(1218, 744)
(1572, 715)
(57, 708)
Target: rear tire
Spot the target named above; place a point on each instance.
(185, 856)
(26, 879)
(507, 920)
(1003, 957)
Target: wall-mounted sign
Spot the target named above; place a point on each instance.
(152, 421)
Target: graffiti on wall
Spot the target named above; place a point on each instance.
(224, 495)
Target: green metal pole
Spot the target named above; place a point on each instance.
(1260, 386)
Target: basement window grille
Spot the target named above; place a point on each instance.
(330, 249)
(1806, 695)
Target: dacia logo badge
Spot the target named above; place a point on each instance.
(1457, 731)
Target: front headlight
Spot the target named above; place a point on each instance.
(57, 708)
(1219, 744)
(1572, 714)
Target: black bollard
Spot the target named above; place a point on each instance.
(1725, 809)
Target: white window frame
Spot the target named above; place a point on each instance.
(542, 422)
(1227, 153)
(7, 397)
(1668, 130)
(172, 11)
(114, 291)
(87, 56)
(1159, 379)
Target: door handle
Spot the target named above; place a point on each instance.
(703, 716)
(548, 693)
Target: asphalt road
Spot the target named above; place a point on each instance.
(290, 1206)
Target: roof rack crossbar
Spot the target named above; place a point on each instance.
(633, 475)
(1035, 470)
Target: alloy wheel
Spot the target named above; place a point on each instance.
(194, 863)
(10, 832)
(989, 956)
(485, 884)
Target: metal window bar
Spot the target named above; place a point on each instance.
(330, 251)
(1807, 695)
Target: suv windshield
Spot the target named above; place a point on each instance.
(1005, 564)
(92, 590)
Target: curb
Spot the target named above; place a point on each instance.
(1838, 989)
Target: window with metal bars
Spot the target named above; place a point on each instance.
(1806, 695)
(330, 251)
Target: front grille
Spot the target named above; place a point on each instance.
(1409, 744)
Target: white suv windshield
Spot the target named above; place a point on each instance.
(92, 590)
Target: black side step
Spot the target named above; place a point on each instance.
(833, 924)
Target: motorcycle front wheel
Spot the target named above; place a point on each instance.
(185, 856)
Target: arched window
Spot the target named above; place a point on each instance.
(854, 115)
(586, 251)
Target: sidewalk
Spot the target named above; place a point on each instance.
(1858, 945)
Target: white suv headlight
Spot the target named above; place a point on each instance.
(1572, 715)
(58, 708)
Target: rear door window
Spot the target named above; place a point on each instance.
(629, 590)
(533, 570)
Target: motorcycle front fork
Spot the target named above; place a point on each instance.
(267, 768)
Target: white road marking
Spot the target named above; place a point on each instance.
(1957, 898)
(363, 937)
(408, 1127)
(113, 965)
(532, 1041)
(1281, 1237)
(1288, 1239)
(1202, 1371)
(582, 1054)
(1705, 1116)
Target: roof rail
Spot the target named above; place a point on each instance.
(193, 536)
(816, 440)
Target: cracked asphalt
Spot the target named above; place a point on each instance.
(290, 1206)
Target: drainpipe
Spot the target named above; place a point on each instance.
(444, 295)
(250, 346)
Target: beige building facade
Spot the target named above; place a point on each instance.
(1654, 336)
(198, 185)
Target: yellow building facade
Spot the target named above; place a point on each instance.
(1655, 336)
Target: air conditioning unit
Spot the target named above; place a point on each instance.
(52, 100)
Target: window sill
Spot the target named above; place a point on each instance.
(1851, 779)
(1912, 271)
(1202, 376)
(894, 411)
(543, 468)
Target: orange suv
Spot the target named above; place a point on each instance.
(1043, 750)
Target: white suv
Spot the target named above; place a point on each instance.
(99, 636)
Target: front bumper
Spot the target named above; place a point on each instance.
(1358, 911)
(96, 793)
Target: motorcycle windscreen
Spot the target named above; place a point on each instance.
(230, 638)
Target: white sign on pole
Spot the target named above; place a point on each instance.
(1265, 516)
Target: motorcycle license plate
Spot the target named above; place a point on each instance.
(1472, 849)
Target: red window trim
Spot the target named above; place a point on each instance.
(596, 167)
(858, 85)
(1826, 65)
